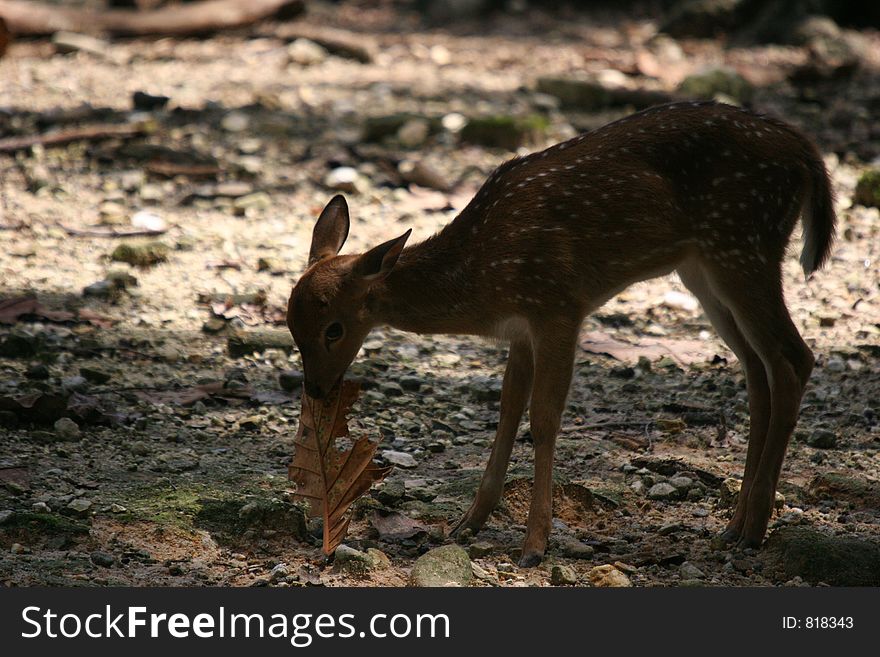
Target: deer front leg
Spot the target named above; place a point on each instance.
(514, 396)
(554, 362)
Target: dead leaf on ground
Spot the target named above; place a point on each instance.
(331, 479)
(189, 396)
(393, 527)
(684, 352)
(17, 308)
(252, 312)
(93, 318)
(171, 169)
(11, 310)
(224, 264)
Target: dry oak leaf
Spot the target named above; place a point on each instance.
(329, 478)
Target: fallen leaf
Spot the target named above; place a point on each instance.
(251, 309)
(189, 396)
(93, 318)
(684, 352)
(172, 169)
(11, 310)
(223, 264)
(329, 478)
(271, 397)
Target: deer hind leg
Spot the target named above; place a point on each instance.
(754, 297)
(756, 384)
(554, 362)
(514, 396)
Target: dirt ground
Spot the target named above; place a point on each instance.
(157, 483)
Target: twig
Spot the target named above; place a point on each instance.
(38, 19)
(333, 40)
(111, 232)
(98, 350)
(623, 424)
(89, 132)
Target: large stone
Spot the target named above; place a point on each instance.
(608, 576)
(822, 439)
(505, 131)
(346, 179)
(400, 459)
(141, 255)
(104, 559)
(306, 53)
(868, 189)
(592, 95)
(19, 344)
(846, 489)
(232, 518)
(729, 492)
(414, 132)
(587, 95)
(663, 491)
(95, 374)
(66, 429)
(702, 18)
(816, 557)
(447, 565)
(379, 128)
(562, 576)
(70, 42)
(290, 380)
(355, 562)
(245, 343)
(719, 81)
(80, 507)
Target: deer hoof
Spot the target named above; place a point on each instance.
(466, 528)
(730, 536)
(530, 559)
(462, 534)
(747, 542)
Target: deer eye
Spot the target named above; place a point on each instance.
(333, 332)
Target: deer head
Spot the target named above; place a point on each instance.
(329, 312)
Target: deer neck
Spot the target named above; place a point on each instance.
(429, 290)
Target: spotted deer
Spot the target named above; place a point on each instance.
(708, 190)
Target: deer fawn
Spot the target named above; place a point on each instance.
(708, 190)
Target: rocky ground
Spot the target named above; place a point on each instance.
(149, 394)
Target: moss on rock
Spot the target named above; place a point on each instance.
(868, 189)
(505, 131)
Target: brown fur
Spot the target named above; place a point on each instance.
(710, 190)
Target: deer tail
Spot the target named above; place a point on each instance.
(817, 216)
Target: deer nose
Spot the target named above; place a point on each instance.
(313, 390)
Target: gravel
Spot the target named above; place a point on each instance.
(157, 481)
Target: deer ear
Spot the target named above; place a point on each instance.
(330, 230)
(378, 262)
